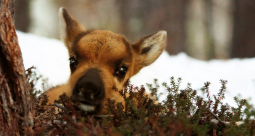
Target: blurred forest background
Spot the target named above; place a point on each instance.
(204, 29)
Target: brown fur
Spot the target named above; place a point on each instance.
(107, 52)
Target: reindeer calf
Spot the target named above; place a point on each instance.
(100, 61)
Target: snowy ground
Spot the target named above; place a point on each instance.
(50, 57)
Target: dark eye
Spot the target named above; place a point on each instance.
(122, 71)
(72, 63)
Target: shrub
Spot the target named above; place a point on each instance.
(182, 113)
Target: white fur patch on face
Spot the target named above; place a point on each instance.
(87, 108)
(62, 23)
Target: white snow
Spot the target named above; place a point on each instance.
(50, 57)
(240, 74)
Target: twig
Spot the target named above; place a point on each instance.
(30, 68)
(238, 123)
(62, 107)
(216, 117)
(103, 116)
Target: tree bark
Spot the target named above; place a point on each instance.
(243, 43)
(15, 104)
(22, 16)
(173, 21)
(150, 16)
(210, 47)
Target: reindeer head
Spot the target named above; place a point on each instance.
(102, 60)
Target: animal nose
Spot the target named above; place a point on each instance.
(89, 88)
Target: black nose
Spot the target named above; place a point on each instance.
(89, 88)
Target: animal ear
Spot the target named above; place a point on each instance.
(69, 27)
(148, 49)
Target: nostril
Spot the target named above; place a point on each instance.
(80, 91)
(91, 96)
(98, 92)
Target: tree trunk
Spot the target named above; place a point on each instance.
(166, 15)
(22, 16)
(15, 104)
(173, 21)
(210, 46)
(243, 44)
(144, 17)
(124, 9)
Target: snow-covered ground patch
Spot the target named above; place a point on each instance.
(240, 74)
(50, 57)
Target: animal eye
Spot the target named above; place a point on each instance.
(122, 71)
(72, 62)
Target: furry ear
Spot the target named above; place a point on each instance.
(69, 27)
(148, 49)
